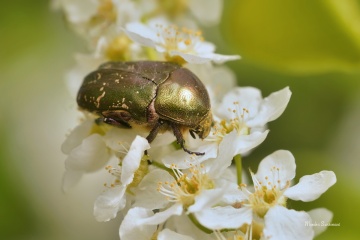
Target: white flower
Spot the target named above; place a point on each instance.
(245, 115)
(186, 193)
(131, 228)
(94, 19)
(175, 42)
(244, 111)
(90, 146)
(113, 199)
(266, 205)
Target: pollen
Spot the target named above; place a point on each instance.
(268, 193)
(186, 186)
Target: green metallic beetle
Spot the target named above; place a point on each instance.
(157, 96)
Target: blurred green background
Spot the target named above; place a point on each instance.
(311, 46)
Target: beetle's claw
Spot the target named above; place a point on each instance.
(191, 152)
(192, 134)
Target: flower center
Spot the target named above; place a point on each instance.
(172, 7)
(186, 186)
(106, 13)
(174, 38)
(237, 122)
(118, 49)
(267, 194)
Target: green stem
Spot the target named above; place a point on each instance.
(198, 225)
(160, 165)
(238, 165)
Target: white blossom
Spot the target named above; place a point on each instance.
(113, 199)
(173, 41)
(266, 205)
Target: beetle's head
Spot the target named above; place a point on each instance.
(204, 127)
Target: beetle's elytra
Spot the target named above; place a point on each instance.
(156, 95)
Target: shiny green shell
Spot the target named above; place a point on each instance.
(176, 93)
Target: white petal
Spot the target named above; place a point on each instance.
(320, 217)
(147, 195)
(191, 58)
(245, 143)
(183, 160)
(167, 234)
(284, 224)
(141, 34)
(116, 137)
(108, 204)
(207, 11)
(161, 217)
(131, 229)
(77, 136)
(224, 217)
(227, 150)
(202, 48)
(247, 97)
(279, 165)
(207, 199)
(271, 107)
(70, 179)
(80, 11)
(132, 159)
(185, 226)
(233, 194)
(220, 58)
(310, 187)
(90, 155)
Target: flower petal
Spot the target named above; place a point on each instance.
(207, 199)
(191, 58)
(147, 195)
(220, 58)
(310, 187)
(141, 34)
(320, 218)
(277, 167)
(247, 97)
(224, 217)
(271, 107)
(109, 203)
(89, 156)
(227, 151)
(245, 143)
(131, 228)
(132, 160)
(183, 160)
(77, 136)
(283, 224)
(168, 234)
(116, 137)
(160, 217)
(71, 178)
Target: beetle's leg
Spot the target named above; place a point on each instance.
(154, 131)
(181, 141)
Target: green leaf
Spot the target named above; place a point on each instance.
(298, 36)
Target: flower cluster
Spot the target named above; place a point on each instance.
(162, 191)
